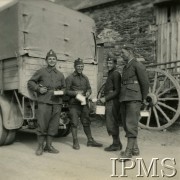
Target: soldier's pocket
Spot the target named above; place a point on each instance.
(109, 103)
(59, 82)
(133, 87)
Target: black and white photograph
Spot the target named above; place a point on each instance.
(89, 89)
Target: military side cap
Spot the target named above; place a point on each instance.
(78, 61)
(128, 46)
(111, 57)
(51, 53)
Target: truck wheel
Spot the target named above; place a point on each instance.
(68, 130)
(64, 125)
(101, 92)
(3, 132)
(10, 137)
(64, 132)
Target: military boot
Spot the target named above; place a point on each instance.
(41, 140)
(91, 141)
(127, 154)
(49, 148)
(76, 144)
(135, 151)
(115, 146)
(75, 139)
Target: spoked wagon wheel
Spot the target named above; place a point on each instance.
(163, 101)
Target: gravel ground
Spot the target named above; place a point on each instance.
(19, 162)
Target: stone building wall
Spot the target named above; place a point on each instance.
(130, 21)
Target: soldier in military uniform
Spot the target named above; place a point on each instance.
(78, 84)
(44, 82)
(134, 89)
(111, 91)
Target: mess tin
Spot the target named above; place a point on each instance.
(100, 109)
(144, 113)
(58, 92)
(81, 98)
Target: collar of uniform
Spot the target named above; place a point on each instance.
(130, 60)
(76, 74)
(49, 69)
(129, 63)
(112, 70)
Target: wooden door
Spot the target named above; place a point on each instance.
(168, 35)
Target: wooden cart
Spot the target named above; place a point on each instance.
(163, 98)
(164, 94)
(163, 105)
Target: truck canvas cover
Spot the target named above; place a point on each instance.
(35, 27)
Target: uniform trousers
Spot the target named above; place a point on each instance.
(130, 113)
(112, 117)
(48, 116)
(79, 112)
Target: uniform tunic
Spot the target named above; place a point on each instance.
(50, 78)
(134, 89)
(49, 105)
(78, 83)
(111, 91)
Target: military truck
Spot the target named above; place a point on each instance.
(28, 30)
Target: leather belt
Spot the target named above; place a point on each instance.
(130, 82)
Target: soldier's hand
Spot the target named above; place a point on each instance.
(145, 102)
(88, 94)
(43, 90)
(103, 100)
(79, 92)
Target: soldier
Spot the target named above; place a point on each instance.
(78, 84)
(44, 82)
(134, 89)
(111, 91)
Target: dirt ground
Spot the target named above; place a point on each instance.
(19, 162)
